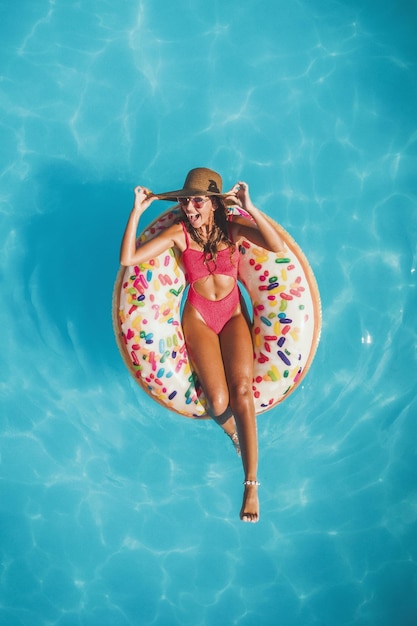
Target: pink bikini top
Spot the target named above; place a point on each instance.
(196, 267)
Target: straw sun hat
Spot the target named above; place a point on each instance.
(200, 181)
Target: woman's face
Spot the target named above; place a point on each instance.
(199, 210)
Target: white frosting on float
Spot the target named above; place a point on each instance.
(286, 322)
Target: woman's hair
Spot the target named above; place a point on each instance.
(219, 233)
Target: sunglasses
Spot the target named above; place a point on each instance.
(195, 201)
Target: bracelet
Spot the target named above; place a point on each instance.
(251, 482)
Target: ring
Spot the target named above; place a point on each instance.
(286, 327)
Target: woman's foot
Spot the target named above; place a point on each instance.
(250, 505)
(235, 441)
(229, 427)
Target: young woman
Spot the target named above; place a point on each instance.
(215, 323)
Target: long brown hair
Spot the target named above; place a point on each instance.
(219, 233)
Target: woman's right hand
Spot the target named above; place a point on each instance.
(143, 198)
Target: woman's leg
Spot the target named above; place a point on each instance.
(237, 354)
(204, 351)
(224, 366)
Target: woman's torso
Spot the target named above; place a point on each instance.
(212, 279)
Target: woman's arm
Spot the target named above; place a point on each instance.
(129, 254)
(262, 233)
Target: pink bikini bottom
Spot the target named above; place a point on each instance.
(215, 313)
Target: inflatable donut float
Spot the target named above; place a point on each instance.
(286, 322)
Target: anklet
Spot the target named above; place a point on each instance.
(251, 482)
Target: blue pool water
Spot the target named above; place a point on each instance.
(115, 512)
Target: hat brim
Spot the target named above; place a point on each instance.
(185, 193)
(172, 196)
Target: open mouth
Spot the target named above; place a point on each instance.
(193, 217)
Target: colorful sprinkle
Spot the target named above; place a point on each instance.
(283, 357)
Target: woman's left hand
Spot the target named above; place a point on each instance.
(239, 194)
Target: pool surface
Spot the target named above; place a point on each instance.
(115, 512)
